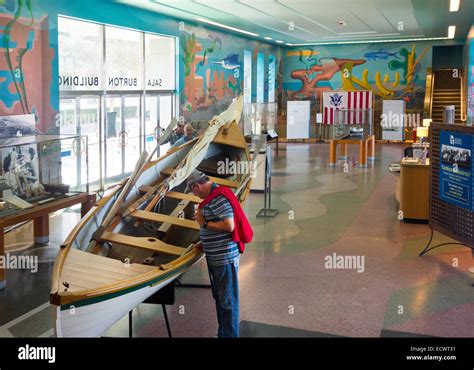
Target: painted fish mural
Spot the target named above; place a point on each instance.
(381, 54)
(229, 62)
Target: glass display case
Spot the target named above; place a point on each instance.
(353, 124)
(40, 167)
(260, 118)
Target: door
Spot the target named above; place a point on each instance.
(80, 115)
(114, 139)
(158, 115)
(130, 138)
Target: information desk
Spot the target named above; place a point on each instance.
(40, 216)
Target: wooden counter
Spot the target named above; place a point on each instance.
(414, 191)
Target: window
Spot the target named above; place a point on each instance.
(159, 62)
(123, 59)
(117, 87)
(80, 52)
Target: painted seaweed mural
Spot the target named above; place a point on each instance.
(216, 45)
(16, 71)
(187, 44)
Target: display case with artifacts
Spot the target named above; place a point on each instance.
(353, 124)
(260, 118)
(38, 168)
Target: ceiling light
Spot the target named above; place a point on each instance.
(279, 41)
(267, 38)
(371, 41)
(454, 5)
(451, 32)
(287, 43)
(227, 27)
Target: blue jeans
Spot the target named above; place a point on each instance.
(225, 290)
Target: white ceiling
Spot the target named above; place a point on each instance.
(301, 21)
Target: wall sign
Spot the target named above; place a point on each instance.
(455, 178)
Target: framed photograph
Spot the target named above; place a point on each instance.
(20, 169)
(14, 126)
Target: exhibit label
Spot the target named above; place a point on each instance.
(455, 177)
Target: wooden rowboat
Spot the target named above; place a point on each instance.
(150, 242)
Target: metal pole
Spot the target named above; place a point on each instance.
(265, 188)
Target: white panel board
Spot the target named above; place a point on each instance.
(297, 120)
(393, 113)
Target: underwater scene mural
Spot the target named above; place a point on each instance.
(391, 71)
(212, 70)
(25, 63)
(210, 62)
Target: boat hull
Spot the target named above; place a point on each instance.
(93, 317)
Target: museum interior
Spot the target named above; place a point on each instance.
(133, 133)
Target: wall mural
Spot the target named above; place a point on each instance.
(25, 63)
(209, 78)
(212, 75)
(392, 72)
(210, 65)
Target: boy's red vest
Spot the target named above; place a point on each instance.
(243, 232)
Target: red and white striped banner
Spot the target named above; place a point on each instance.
(352, 102)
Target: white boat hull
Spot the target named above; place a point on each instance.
(93, 320)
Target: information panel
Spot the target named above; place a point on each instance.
(298, 116)
(455, 180)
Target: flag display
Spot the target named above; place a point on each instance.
(353, 103)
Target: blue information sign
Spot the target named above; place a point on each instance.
(455, 178)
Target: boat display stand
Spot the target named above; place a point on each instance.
(179, 284)
(267, 210)
(366, 150)
(164, 296)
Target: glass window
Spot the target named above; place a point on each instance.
(80, 52)
(124, 59)
(94, 58)
(159, 62)
(68, 116)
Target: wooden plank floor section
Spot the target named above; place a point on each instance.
(229, 183)
(158, 217)
(148, 243)
(84, 270)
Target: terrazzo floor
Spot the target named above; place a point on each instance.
(286, 287)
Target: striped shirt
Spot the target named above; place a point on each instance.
(218, 245)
